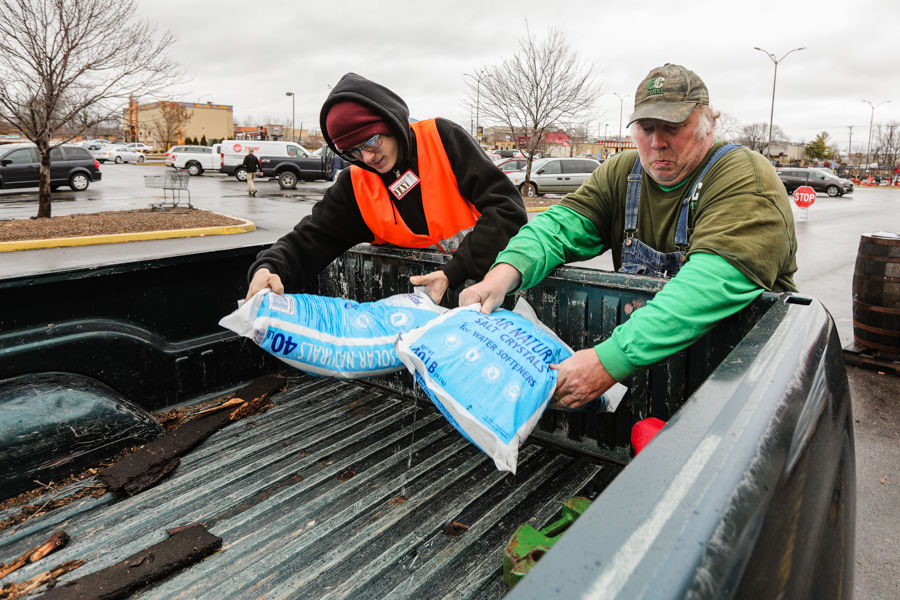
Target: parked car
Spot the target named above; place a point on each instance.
(554, 175)
(119, 154)
(70, 165)
(140, 147)
(95, 146)
(818, 179)
(508, 165)
(195, 159)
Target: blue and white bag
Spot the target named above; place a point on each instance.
(330, 336)
(488, 374)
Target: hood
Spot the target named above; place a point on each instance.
(357, 88)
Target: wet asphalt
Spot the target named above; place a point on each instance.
(828, 242)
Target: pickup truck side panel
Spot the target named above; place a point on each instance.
(290, 170)
(733, 498)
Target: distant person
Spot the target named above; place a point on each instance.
(251, 167)
(711, 218)
(425, 184)
(336, 165)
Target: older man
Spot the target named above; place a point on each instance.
(712, 217)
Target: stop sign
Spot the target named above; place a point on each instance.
(804, 196)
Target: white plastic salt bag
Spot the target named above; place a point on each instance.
(488, 374)
(331, 336)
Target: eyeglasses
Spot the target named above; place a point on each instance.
(670, 129)
(370, 145)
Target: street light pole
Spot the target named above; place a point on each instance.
(871, 122)
(621, 98)
(293, 113)
(477, 106)
(850, 144)
(477, 76)
(774, 78)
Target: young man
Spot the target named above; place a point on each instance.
(251, 166)
(424, 184)
(713, 218)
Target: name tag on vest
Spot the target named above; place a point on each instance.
(402, 186)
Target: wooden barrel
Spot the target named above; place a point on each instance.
(876, 293)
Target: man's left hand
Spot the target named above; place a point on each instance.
(580, 379)
(436, 283)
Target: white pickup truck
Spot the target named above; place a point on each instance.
(195, 159)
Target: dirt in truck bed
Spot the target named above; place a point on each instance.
(341, 489)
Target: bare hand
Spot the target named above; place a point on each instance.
(491, 290)
(436, 283)
(264, 278)
(580, 379)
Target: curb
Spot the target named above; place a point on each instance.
(115, 238)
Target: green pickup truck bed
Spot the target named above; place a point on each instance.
(362, 490)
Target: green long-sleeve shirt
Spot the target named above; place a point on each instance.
(706, 290)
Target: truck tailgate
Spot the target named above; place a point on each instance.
(342, 489)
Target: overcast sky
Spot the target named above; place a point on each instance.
(248, 54)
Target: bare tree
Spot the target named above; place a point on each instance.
(543, 87)
(66, 65)
(168, 125)
(887, 143)
(756, 135)
(728, 128)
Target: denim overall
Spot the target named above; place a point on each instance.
(637, 257)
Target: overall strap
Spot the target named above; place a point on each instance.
(632, 198)
(681, 232)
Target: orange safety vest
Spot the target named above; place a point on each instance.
(449, 216)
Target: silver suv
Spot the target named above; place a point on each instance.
(554, 176)
(195, 159)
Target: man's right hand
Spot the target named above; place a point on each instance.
(264, 278)
(491, 290)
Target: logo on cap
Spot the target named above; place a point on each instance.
(655, 86)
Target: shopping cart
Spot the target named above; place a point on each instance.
(172, 181)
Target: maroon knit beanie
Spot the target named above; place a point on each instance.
(350, 124)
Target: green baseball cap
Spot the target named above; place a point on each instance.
(668, 93)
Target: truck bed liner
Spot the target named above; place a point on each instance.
(342, 489)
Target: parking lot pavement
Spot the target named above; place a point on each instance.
(274, 212)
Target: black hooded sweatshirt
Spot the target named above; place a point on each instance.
(336, 223)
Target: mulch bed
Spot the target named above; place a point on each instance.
(111, 222)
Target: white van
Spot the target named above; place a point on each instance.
(234, 151)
